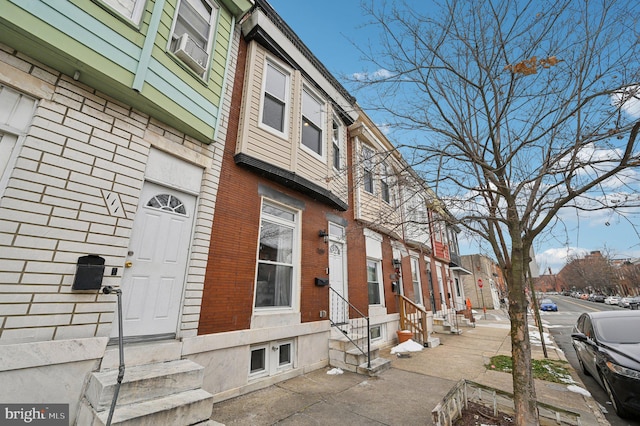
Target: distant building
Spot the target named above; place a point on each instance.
(485, 286)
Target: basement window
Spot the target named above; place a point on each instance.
(268, 359)
(375, 332)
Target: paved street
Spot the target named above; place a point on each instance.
(560, 324)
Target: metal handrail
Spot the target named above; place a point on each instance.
(366, 353)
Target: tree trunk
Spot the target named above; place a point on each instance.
(523, 384)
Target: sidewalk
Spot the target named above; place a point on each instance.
(407, 392)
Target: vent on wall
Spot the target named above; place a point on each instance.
(191, 54)
(114, 204)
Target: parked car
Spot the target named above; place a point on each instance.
(624, 302)
(548, 305)
(598, 298)
(584, 296)
(612, 300)
(608, 347)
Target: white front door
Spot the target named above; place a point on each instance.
(338, 306)
(459, 296)
(153, 279)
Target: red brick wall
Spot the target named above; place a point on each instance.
(228, 287)
(227, 302)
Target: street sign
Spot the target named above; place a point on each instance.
(479, 282)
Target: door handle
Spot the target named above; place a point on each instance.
(128, 264)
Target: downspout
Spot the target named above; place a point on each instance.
(147, 47)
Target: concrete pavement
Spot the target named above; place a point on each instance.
(406, 393)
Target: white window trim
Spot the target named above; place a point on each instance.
(287, 101)
(272, 358)
(136, 13)
(381, 337)
(213, 23)
(296, 256)
(339, 143)
(259, 373)
(415, 269)
(384, 180)
(371, 170)
(323, 139)
(378, 262)
(8, 130)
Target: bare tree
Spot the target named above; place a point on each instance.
(516, 111)
(592, 272)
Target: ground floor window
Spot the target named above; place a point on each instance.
(271, 358)
(415, 279)
(375, 332)
(276, 255)
(374, 282)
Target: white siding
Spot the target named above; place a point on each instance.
(81, 152)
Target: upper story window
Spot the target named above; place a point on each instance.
(130, 9)
(274, 103)
(336, 140)
(417, 209)
(453, 240)
(312, 123)
(276, 254)
(367, 169)
(437, 229)
(384, 183)
(192, 36)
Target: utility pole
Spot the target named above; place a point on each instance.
(484, 309)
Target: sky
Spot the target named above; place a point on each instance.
(329, 32)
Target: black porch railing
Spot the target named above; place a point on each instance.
(351, 322)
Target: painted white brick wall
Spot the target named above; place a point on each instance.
(82, 146)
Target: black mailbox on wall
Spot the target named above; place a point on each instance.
(321, 282)
(89, 273)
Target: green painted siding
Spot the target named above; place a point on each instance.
(80, 35)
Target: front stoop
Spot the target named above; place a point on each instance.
(345, 355)
(432, 342)
(378, 365)
(150, 394)
(441, 325)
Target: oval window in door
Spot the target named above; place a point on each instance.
(167, 202)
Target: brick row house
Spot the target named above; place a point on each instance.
(197, 157)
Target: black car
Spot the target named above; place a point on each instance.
(608, 347)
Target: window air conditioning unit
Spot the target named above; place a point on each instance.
(191, 54)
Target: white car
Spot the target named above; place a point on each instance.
(624, 302)
(612, 300)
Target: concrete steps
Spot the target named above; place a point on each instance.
(167, 392)
(442, 325)
(186, 408)
(344, 354)
(143, 381)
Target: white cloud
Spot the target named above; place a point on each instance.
(556, 258)
(629, 101)
(376, 75)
